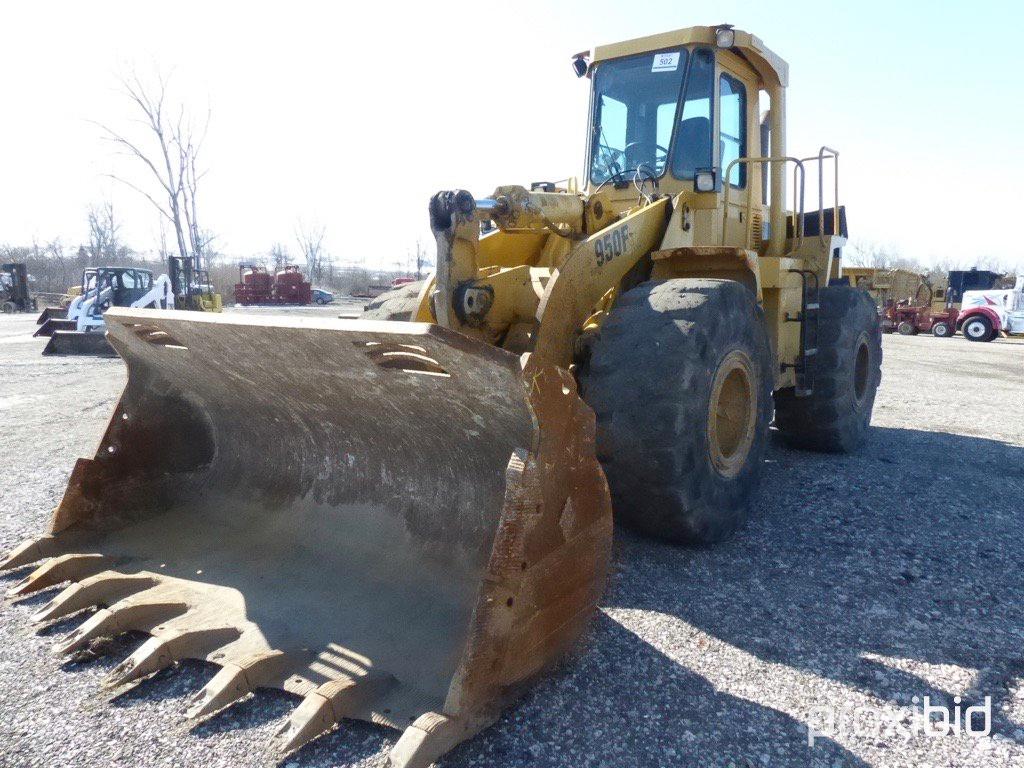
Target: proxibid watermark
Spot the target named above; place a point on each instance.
(901, 722)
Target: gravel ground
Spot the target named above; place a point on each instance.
(863, 581)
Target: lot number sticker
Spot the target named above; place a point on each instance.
(665, 62)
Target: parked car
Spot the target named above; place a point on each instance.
(320, 296)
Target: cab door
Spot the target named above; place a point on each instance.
(737, 128)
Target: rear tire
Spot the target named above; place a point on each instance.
(978, 328)
(680, 380)
(942, 329)
(848, 369)
(398, 304)
(8, 307)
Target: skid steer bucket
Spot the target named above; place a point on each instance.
(384, 518)
(51, 313)
(53, 324)
(79, 343)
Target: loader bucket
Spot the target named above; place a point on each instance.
(79, 343)
(51, 313)
(386, 519)
(53, 324)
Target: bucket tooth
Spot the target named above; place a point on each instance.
(99, 624)
(121, 617)
(158, 653)
(313, 717)
(104, 588)
(58, 570)
(323, 708)
(431, 736)
(30, 551)
(224, 689)
(235, 681)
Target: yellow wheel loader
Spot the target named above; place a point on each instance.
(408, 522)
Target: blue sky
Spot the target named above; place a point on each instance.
(353, 121)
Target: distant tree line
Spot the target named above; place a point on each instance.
(877, 256)
(167, 150)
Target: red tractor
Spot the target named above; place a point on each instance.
(924, 316)
(290, 287)
(255, 285)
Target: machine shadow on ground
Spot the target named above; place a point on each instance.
(903, 550)
(641, 708)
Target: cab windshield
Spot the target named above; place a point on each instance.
(636, 100)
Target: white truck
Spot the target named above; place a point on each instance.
(986, 314)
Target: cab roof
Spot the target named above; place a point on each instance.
(772, 69)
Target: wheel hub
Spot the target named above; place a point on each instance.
(860, 371)
(732, 414)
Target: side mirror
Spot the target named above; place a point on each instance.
(580, 66)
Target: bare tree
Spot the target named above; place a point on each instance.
(421, 260)
(311, 245)
(279, 256)
(104, 233)
(172, 162)
(869, 254)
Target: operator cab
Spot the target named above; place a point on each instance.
(127, 284)
(636, 132)
(666, 116)
(676, 113)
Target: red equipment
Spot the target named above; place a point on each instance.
(909, 320)
(291, 287)
(257, 286)
(922, 317)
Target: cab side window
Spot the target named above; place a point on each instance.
(693, 143)
(733, 118)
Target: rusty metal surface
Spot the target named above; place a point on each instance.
(358, 513)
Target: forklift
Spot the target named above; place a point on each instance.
(191, 285)
(14, 294)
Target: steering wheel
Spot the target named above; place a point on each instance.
(657, 148)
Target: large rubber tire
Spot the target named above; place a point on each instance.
(978, 328)
(906, 328)
(667, 351)
(942, 329)
(397, 304)
(847, 371)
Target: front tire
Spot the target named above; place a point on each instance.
(680, 380)
(978, 328)
(906, 328)
(942, 329)
(847, 372)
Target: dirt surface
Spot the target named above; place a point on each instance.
(863, 581)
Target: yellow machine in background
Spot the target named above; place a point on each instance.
(887, 286)
(409, 522)
(191, 284)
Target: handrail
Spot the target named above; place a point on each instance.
(821, 157)
(825, 153)
(798, 200)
